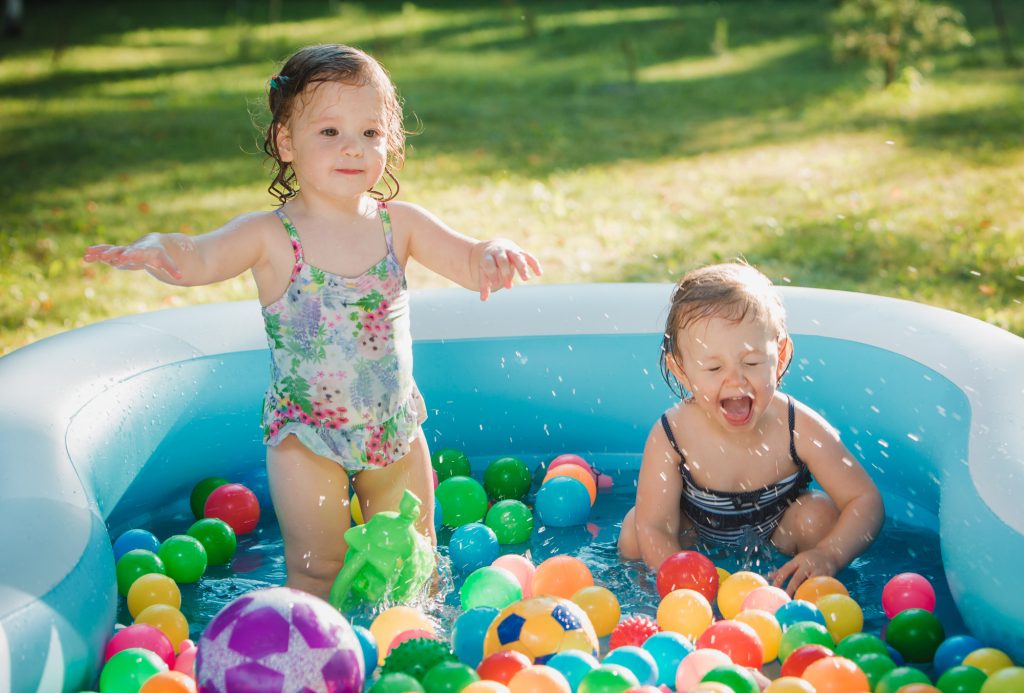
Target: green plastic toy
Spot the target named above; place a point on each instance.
(387, 559)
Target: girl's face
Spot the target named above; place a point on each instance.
(335, 139)
(732, 368)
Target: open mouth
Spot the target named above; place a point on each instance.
(737, 410)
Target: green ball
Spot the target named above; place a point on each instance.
(736, 678)
(202, 491)
(916, 634)
(462, 499)
(397, 683)
(858, 644)
(1007, 680)
(449, 677)
(133, 565)
(217, 538)
(804, 633)
(961, 679)
(608, 678)
(489, 586)
(184, 558)
(126, 671)
(900, 677)
(874, 666)
(511, 521)
(507, 478)
(448, 463)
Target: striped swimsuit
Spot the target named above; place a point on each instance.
(727, 517)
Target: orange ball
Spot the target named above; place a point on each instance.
(687, 612)
(390, 622)
(767, 628)
(561, 576)
(538, 678)
(919, 688)
(836, 675)
(485, 686)
(735, 588)
(814, 588)
(169, 682)
(579, 474)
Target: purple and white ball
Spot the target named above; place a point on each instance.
(279, 640)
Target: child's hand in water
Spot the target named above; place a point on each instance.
(500, 261)
(146, 253)
(804, 565)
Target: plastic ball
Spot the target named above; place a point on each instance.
(368, 646)
(688, 570)
(485, 686)
(503, 665)
(397, 682)
(169, 682)
(511, 521)
(217, 538)
(563, 502)
(696, 664)
(201, 492)
(633, 630)
(814, 588)
(468, 633)
(768, 598)
(712, 687)
(449, 677)
(144, 636)
(520, 566)
(135, 539)
(127, 670)
(1006, 680)
(185, 662)
(962, 679)
(450, 463)
(405, 636)
(859, 644)
(538, 678)
(900, 677)
(540, 627)
(236, 505)
(170, 621)
(462, 499)
(802, 657)
(184, 558)
(668, 650)
(637, 660)
(573, 665)
(569, 458)
(601, 607)
(736, 639)
(735, 588)
(472, 546)
(988, 659)
(789, 684)
(836, 675)
(767, 629)
(150, 589)
(686, 612)
(507, 478)
(355, 509)
(797, 610)
(907, 591)
(579, 474)
(392, 621)
(953, 650)
(735, 677)
(133, 565)
(804, 633)
(416, 657)
(489, 586)
(843, 615)
(919, 688)
(607, 678)
(875, 666)
(916, 634)
(561, 576)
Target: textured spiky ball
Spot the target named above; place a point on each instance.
(416, 657)
(633, 630)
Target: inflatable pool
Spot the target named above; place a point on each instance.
(118, 419)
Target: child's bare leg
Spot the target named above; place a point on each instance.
(382, 489)
(805, 523)
(310, 495)
(629, 541)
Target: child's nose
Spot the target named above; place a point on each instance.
(350, 146)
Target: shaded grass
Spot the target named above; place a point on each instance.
(610, 140)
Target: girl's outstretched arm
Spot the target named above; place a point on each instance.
(658, 489)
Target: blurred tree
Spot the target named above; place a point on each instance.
(1004, 33)
(895, 33)
(12, 17)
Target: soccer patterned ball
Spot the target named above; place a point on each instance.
(279, 640)
(540, 628)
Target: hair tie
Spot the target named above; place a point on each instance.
(278, 81)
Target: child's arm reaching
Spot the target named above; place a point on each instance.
(860, 504)
(484, 266)
(659, 486)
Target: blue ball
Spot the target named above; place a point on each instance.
(368, 643)
(563, 502)
(135, 539)
(438, 523)
(637, 660)
(469, 631)
(797, 610)
(953, 650)
(895, 655)
(668, 650)
(573, 665)
(473, 545)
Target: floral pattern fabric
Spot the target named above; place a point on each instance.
(341, 361)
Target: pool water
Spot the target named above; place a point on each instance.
(902, 546)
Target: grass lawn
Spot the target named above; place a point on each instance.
(607, 137)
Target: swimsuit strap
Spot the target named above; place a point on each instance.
(671, 437)
(293, 234)
(385, 220)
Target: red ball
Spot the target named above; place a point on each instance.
(236, 505)
(736, 639)
(633, 630)
(802, 657)
(503, 665)
(688, 570)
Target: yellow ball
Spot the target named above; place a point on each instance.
(150, 589)
(767, 628)
(988, 659)
(686, 612)
(168, 621)
(601, 606)
(356, 510)
(390, 622)
(713, 687)
(843, 615)
(723, 574)
(1005, 680)
(814, 588)
(789, 684)
(735, 589)
(540, 627)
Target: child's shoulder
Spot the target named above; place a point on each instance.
(806, 417)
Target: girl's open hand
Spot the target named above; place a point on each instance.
(805, 564)
(146, 253)
(500, 262)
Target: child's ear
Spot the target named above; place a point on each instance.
(785, 356)
(283, 140)
(677, 370)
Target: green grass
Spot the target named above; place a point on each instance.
(606, 137)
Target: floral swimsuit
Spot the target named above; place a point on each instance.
(341, 362)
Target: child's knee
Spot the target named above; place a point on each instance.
(807, 521)
(629, 546)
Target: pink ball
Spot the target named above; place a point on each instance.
(571, 459)
(411, 634)
(699, 662)
(141, 635)
(767, 598)
(521, 567)
(236, 505)
(907, 591)
(186, 661)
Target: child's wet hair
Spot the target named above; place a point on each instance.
(307, 69)
(733, 291)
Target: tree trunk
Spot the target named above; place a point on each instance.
(1004, 33)
(13, 10)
